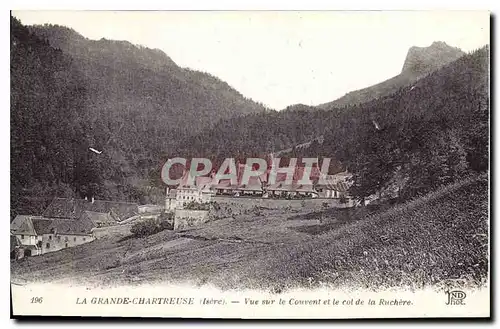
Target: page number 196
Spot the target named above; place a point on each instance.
(36, 300)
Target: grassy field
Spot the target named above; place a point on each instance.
(437, 240)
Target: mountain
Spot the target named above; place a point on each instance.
(131, 103)
(429, 133)
(419, 62)
(133, 79)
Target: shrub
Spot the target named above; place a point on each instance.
(166, 217)
(151, 226)
(193, 205)
(166, 225)
(144, 228)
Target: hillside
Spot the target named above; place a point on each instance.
(429, 134)
(69, 93)
(437, 240)
(419, 62)
(147, 81)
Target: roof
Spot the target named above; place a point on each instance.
(29, 246)
(314, 173)
(29, 225)
(254, 184)
(41, 225)
(338, 186)
(73, 208)
(242, 168)
(98, 217)
(198, 182)
(82, 226)
(338, 182)
(225, 184)
(309, 188)
(19, 221)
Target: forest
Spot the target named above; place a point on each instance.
(138, 108)
(130, 103)
(422, 136)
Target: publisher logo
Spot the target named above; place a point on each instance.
(456, 297)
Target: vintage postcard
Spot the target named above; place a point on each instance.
(250, 164)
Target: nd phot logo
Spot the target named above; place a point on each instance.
(456, 297)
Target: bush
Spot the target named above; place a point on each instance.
(144, 228)
(150, 226)
(193, 205)
(166, 225)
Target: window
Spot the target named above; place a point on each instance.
(47, 245)
(59, 238)
(50, 237)
(22, 237)
(66, 245)
(83, 239)
(74, 239)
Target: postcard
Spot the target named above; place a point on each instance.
(250, 164)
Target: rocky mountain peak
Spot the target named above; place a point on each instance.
(421, 60)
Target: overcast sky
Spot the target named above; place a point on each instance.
(282, 58)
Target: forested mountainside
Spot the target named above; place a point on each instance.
(421, 136)
(138, 107)
(419, 62)
(69, 93)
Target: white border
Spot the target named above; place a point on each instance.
(187, 5)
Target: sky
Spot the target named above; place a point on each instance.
(282, 58)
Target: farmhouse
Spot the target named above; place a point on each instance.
(62, 233)
(28, 230)
(65, 223)
(67, 208)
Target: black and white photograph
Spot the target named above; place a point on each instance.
(250, 164)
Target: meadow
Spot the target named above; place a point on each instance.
(439, 240)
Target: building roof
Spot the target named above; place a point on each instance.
(29, 246)
(82, 226)
(198, 182)
(338, 186)
(99, 218)
(225, 184)
(338, 182)
(29, 225)
(254, 184)
(19, 220)
(73, 208)
(41, 225)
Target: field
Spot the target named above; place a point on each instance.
(438, 240)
